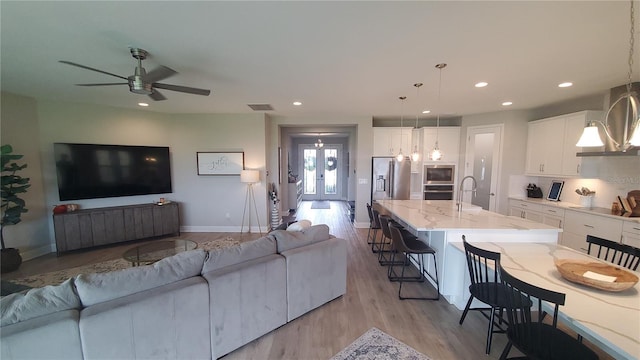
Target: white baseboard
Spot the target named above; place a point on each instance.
(361, 225)
(37, 252)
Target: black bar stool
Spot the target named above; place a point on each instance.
(374, 225)
(386, 244)
(408, 247)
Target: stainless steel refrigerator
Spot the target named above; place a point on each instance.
(390, 179)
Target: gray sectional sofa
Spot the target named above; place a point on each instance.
(194, 305)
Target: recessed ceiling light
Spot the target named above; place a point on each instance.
(297, 103)
(507, 103)
(481, 84)
(426, 111)
(143, 104)
(565, 84)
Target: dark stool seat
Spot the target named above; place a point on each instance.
(386, 248)
(407, 247)
(374, 226)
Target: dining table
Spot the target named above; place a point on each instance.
(608, 319)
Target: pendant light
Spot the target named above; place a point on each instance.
(400, 156)
(631, 131)
(436, 154)
(319, 143)
(415, 155)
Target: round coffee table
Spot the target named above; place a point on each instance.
(151, 252)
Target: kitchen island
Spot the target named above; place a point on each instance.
(528, 252)
(438, 223)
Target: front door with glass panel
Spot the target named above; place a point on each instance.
(321, 172)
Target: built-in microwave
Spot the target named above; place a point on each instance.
(439, 174)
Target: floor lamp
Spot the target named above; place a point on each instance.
(250, 177)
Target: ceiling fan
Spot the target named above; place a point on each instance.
(143, 82)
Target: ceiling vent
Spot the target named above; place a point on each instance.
(260, 107)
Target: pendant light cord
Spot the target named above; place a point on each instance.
(631, 43)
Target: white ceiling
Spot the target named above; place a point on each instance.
(347, 58)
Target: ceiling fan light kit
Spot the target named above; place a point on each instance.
(143, 82)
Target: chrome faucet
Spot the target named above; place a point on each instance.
(460, 190)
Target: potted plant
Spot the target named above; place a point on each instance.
(12, 206)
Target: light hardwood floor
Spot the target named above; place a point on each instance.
(430, 327)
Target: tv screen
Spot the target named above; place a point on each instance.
(89, 171)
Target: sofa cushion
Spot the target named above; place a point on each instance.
(53, 336)
(97, 288)
(38, 302)
(167, 322)
(293, 239)
(242, 252)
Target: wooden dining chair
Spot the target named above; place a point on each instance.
(485, 287)
(529, 333)
(620, 254)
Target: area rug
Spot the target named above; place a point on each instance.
(378, 345)
(320, 205)
(58, 277)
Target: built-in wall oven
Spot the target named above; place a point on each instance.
(439, 181)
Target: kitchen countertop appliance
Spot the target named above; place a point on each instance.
(533, 191)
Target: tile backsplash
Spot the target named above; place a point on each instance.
(607, 176)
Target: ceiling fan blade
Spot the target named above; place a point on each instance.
(159, 73)
(103, 84)
(183, 89)
(92, 69)
(157, 96)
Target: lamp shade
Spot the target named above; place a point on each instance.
(590, 137)
(249, 176)
(635, 136)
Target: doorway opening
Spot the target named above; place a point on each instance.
(482, 161)
(321, 172)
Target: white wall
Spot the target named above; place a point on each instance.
(208, 199)
(19, 122)
(33, 126)
(359, 157)
(513, 149)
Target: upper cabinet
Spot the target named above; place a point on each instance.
(551, 144)
(387, 141)
(448, 142)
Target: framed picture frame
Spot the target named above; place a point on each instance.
(220, 163)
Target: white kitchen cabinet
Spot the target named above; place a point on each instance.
(544, 147)
(448, 142)
(577, 225)
(387, 141)
(631, 233)
(554, 216)
(525, 210)
(551, 144)
(547, 214)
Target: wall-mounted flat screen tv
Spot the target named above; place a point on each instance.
(90, 171)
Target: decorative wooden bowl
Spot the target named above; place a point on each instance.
(574, 270)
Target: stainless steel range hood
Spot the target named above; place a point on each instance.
(616, 124)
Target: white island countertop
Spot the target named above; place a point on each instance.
(610, 320)
(429, 215)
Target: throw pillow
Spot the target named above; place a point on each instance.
(299, 225)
